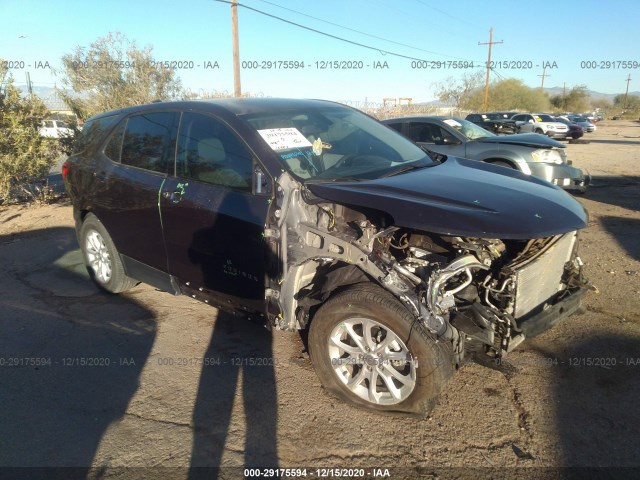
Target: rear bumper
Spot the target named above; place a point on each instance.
(549, 317)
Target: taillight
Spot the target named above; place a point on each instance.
(65, 169)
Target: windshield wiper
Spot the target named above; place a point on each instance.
(334, 179)
(408, 168)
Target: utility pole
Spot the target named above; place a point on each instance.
(544, 69)
(626, 94)
(237, 92)
(564, 96)
(29, 85)
(486, 82)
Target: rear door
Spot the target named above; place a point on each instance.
(213, 217)
(126, 182)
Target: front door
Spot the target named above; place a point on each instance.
(213, 224)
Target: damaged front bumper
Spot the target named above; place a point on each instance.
(550, 316)
(563, 175)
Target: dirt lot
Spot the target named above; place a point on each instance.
(93, 380)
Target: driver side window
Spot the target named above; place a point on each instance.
(428, 133)
(424, 132)
(210, 152)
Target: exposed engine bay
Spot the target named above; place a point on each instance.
(489, 291)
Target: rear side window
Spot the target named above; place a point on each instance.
(93, 131)
(146, 141)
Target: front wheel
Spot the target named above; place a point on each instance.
(369, 350)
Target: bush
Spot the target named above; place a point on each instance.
(25, 157)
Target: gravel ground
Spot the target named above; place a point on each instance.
(145, 384)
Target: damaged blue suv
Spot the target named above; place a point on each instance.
(312, 215)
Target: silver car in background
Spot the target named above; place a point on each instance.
(540, 123)
(529, 153)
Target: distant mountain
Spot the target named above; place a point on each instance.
(553, 91)
(42, 92)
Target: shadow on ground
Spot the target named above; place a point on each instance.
(71, 356)
(617, 142)
(242, 371)
(619, 191)
(596, 390)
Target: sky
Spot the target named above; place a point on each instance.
(581, 43)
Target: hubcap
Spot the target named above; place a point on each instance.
(98, 256)
(372, 361)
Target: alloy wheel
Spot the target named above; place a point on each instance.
(372, 361)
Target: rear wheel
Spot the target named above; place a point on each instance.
(102, 258)
(369, 350)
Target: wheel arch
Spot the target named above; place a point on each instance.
(513, 164)
(328, 280)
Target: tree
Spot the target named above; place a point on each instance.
(633, 102)
(577, 100)
(25, 156)
(459, 92)
(114, 73)
(601, 103)
(512, 94)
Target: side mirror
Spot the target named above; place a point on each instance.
(531, 121)
(448, 141)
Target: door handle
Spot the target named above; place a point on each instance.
(174, 197)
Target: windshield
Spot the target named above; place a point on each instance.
(470, 130)
(546, 118)
(333, 143)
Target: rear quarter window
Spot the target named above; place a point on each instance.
(93, 132)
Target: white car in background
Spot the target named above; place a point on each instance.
(540, 123)
(55, 129)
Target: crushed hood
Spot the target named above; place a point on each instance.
(528, 139)
(466, 198)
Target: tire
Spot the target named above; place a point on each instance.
(539, 130)
(344, 319)
(102, 258)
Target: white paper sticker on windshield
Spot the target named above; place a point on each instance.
(452, 123)
(284, 138)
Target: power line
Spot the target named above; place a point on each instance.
(358, 31)
(369, 47)
(447, 14)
